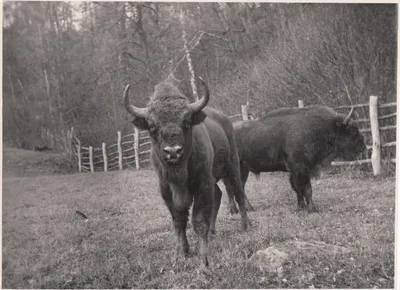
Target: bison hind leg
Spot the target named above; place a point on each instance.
(301, 201)
(248, 205)
(233, 186)
(308, 196)
(244, 174)
(216, 205)
(232, 206)
(301, 184)
(301, 204)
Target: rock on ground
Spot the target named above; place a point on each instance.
(273, 257)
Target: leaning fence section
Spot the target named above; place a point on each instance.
(133, 150)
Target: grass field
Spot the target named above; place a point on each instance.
(128, 241)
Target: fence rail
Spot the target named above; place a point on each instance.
(119, 155)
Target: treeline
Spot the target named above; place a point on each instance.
(66, 63)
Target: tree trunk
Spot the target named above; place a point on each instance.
(188, 57)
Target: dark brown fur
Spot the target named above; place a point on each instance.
(297, 140)
(209, 154)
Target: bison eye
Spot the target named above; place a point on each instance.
(186, 124)
(152, 128)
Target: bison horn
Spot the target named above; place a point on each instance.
(135, 111)
(347, 119)
(200, 104)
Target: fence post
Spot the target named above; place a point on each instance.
(66, 137)
(48, 138)
(376, 141)
(103, 147)
(91, 159)
(71, 136)
(51, 140)
(66, 141)
(301, 104)
(136, 148)
(79, 156)
(245, 112)
(63, 139)
(119, 151)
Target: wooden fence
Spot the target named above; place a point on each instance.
(133, 150)
(61, 142)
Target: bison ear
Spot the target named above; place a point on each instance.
(140, 123)
(339, 125)
(198, 117)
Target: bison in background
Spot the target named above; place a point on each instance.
(298, 141)
(192, 149)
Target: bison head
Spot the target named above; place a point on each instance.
(348, 142)
(169, 118)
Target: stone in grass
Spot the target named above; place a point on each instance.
(272, 258)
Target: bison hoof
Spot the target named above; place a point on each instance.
(204, 262)
(178, 259)
(211, 234)
(313, 210)
(182, 251)
(249, 207)
(301, 206)
(204, 268)
(245, 226)
(234, 210)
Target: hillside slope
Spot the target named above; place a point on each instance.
(19, 162)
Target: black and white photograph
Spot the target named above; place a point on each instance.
(196, 145)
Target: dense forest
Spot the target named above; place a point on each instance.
(65, 64)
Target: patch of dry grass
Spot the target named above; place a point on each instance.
(128, 240)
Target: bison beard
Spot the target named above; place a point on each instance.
(298, 141)
(207, 156)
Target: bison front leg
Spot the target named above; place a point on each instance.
(179, 218)
(202, 216)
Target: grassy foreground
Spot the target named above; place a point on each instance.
(128, 239)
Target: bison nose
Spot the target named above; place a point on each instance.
(173, 152)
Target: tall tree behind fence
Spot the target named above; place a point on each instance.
(133, 150)
(61, 142)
